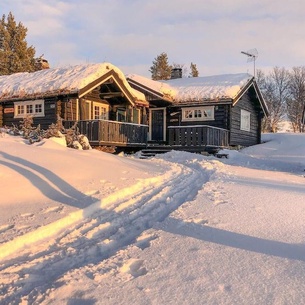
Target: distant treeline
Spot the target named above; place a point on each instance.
(284, 93)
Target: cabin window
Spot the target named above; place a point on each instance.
(131, 115)
(136, 116)
(34, 108)
(20, 110)
(245, 120)
(198, 114)
(121, 115)
(101, 111)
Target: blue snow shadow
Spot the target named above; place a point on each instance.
(235, 240)
(48, 183)
(280, 186)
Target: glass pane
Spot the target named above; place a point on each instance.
(38, 108)
(20, 109)
(121, 114)
(198, 113)
(188, 114)
(29, 108)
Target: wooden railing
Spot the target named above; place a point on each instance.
(198, 136)
(103, 132)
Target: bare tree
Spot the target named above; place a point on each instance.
(275, 88)
(296, 102)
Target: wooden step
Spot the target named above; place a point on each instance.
(151, 152)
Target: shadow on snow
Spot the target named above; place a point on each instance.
(236, 240)
(48, 183)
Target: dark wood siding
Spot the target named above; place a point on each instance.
(174, 117)
(50, 105)
(249, 103)
(66, 109)
(50, 115)
(221, 117)
(8, 115)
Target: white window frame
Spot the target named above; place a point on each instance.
(21, 108)
(103, 111)
(204, 113)
(245, 120)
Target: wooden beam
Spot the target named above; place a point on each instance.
(111, 94)
(108, 82)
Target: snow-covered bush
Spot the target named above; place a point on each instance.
(14, 130)
(26, 126)
(55, 130)
(29, 132)
(76, 140)
(84, 142)
(35, 134)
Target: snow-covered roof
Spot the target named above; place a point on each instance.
(65, 80)
(158, 87)
(212, 88)
(215, 87)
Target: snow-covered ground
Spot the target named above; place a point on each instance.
(86, 227)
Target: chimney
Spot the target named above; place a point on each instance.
(41, 63)
(176, 73)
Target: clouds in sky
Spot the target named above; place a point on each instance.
(131, 33)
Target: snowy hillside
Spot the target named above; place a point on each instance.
(86, 227)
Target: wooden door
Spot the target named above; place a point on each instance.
(157, 125)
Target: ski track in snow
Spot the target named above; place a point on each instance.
(104, 228)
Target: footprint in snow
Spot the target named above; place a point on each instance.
(224, 288)
(92, 192)
(134, 267)
(53, 209)
(27, 215)
(218, 202)
(4, 228)
(144, 241)
(199, 221)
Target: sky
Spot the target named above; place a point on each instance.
(93, 228)
(132, 33)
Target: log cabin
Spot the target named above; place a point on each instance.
(97, 96)
(202, 112)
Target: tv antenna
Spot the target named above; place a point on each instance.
(252, 55)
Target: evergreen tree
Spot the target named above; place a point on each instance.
(194, 72)
(15, 55)
(160, 68)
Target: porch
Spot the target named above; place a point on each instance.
(197, 138)
(112, 133)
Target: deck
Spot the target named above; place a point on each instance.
(197, 138)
